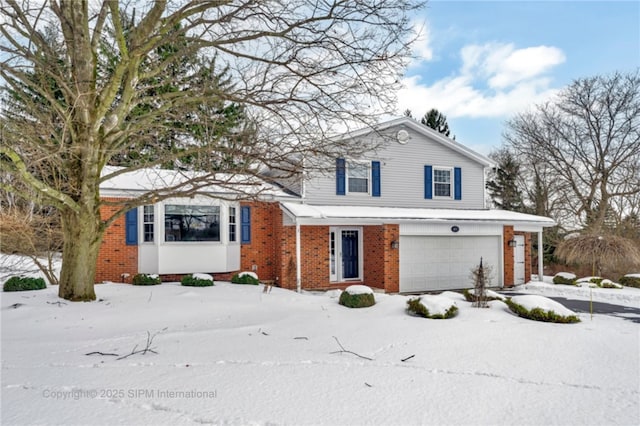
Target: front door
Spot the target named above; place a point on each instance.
(345, 251)
(518, 260)
(350, 263)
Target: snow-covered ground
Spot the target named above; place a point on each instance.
(231, 354)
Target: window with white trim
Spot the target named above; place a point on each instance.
(191, 223)
(148, 219)
(358, 177)
(442, 182)
(232, 224)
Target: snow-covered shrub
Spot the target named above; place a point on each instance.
(540, 308)
(564, 278)
(245, 278)
(434, 307)
(630, 280)
(490, 295)
(590, 280)
(197, 280)
(609, 284)
(24, 284)
(357, 296)
(146, 279)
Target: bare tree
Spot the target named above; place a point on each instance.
(86, 83)
(588, 140)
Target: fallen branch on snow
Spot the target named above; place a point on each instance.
(343, 350)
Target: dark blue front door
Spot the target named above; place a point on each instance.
(349, 254)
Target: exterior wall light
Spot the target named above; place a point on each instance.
(395, 244)
(512, 243)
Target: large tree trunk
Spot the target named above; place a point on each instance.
(82, 239)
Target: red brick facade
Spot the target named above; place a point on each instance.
(116, 257)
(271, 253)
(508, 267)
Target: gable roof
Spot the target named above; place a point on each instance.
(426, 131)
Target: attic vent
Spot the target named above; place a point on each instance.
(402, 136)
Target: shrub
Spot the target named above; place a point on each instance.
(539, 314)
(245, 278)
(196, 281)
(416, 306)
(630, 280)
(609, 284)
(358, 300)
(489, 296)
(564, 278)
(24, 284)
(146, 279)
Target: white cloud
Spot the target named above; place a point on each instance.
(421, 47)
(494, 80)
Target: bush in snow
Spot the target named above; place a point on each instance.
(609, 284)
(146, 279)
(564, 278)
(489, 295)
(631, 280)
(434, 307)
(540, 308)
(357, 296)
(197, 280)
(24, 284)
(245, 278)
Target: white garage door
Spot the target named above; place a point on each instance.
(443, 263)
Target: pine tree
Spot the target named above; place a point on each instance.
(437, 121)
(503, 186)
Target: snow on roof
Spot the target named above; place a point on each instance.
(135, 182)
(364, 213)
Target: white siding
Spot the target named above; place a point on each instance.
(402, 177)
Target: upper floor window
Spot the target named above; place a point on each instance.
(191, 223)
(148, 220)
(441, 182)
(358, 177)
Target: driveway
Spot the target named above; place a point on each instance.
(582, 306)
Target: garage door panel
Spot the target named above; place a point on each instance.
(441, 263)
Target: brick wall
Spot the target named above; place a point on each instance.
(260, 255)
(509, 278)
(115, 257)
(391, 259)
(380, 262)
(508, 256)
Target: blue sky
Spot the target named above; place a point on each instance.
(481, 62)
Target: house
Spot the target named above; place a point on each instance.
(409, 217)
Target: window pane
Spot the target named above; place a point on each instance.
(148, 222)
(232, 223)
(442, 183)
(191, 223)
(358, 177)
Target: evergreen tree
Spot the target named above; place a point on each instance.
(437, 121)
(503, 186)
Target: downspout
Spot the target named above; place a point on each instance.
(540, 256)
(298, 256)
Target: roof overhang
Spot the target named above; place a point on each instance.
(305, 214)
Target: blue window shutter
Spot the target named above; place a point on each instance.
(131, 227)
(340, 176)
(375, 178)
(428, 182)
(245, 224)
(457, 183)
